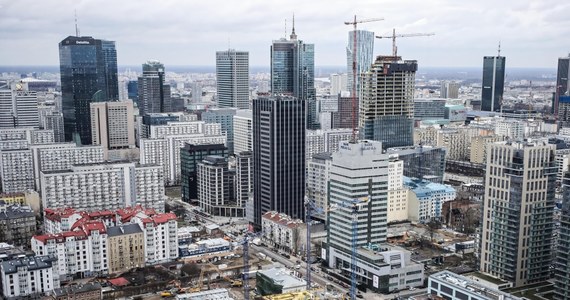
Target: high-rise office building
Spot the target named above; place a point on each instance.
(153, 92)
(279, 156)
(562, 263)
(425, 162)
(386, 110)
(224, 117)
(18, 107)
(493, 83)
(54, 121)
(364, 56)
(88, 70)
(449, 89)
(190, 156)
(112, 125)
(243, 131)
(517, 226)
(562, 82)
(338, 83)
(133, 90)
(232, 78)
(293, 73)
(244, 177)
(216, 194)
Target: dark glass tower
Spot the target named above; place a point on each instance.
(153, 93)
(562, 83)
(278, 156)
(88, 70)
(493, 83)
(190, 156)
(293, 73)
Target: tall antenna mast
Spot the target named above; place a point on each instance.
(499, 50)
(76, 27)
(285, 29)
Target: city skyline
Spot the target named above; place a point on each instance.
(465, 32)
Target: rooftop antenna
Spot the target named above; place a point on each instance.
(285, 28)
(293, 35)
(76, 27)
(499, 51)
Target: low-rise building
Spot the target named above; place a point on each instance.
(426, 199)
(452, 286)
(283, 232)
(125, 247)
(210, 246)
(17, 224)
(32, 276)
(88, 291)
(278, 281)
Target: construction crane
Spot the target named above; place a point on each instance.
(309, 208)
(354, 23)
(394, 36)
(245, 244)
(354, 205)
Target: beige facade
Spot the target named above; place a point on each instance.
(478, 150)
(113, 125)
(397, 194)
(125, 245)
(516, 234)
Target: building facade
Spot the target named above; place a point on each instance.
(103, 186)
(364, 55)
(516, 234)
(293, 73)
(449, 285)
(32, 276)
(279, 156)
(215, 183)
(190, 156)
(232, 78)
(386, 109)
(426, 199)
(113, 125)
(153, 92)
(125, 247)
(284, 233)
(88, 70)
(18, 107)
(243, 177)
(425, 162)
(17, 224)
(319, 141)
(493, 83)
(562, 82)
(243, 131)
(562, 262)
(224, 117)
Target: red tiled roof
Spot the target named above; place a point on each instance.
(120, 281)
(58, 213)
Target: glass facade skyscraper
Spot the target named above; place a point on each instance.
(279, 156)
(364, 55)
(232, 78)
(293, 73)
(153, 93)
(493, 83)
(88, 70)
(562, 82)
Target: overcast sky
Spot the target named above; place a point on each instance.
(188, 32)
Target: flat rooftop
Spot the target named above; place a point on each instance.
(470, 286)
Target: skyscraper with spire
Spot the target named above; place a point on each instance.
(293, 73)
(364, 55)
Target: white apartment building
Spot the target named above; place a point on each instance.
(163, 146)
(32, 276)
(426, 199)
(456, 141)
(160, 237)
(397, 194)
(478, 149)
(29, 134)
(243, 131)
(319, 141)
(103, 186)
(16, 170)
(18, 106)
(215, 185)
(62, 156)
(84, 245)
(81, 251)
(512, 129)
(284, 233)
(317, 181)
(244, 177)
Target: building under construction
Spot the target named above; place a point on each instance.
(386, 109)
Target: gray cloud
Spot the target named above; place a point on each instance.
(532, 33)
